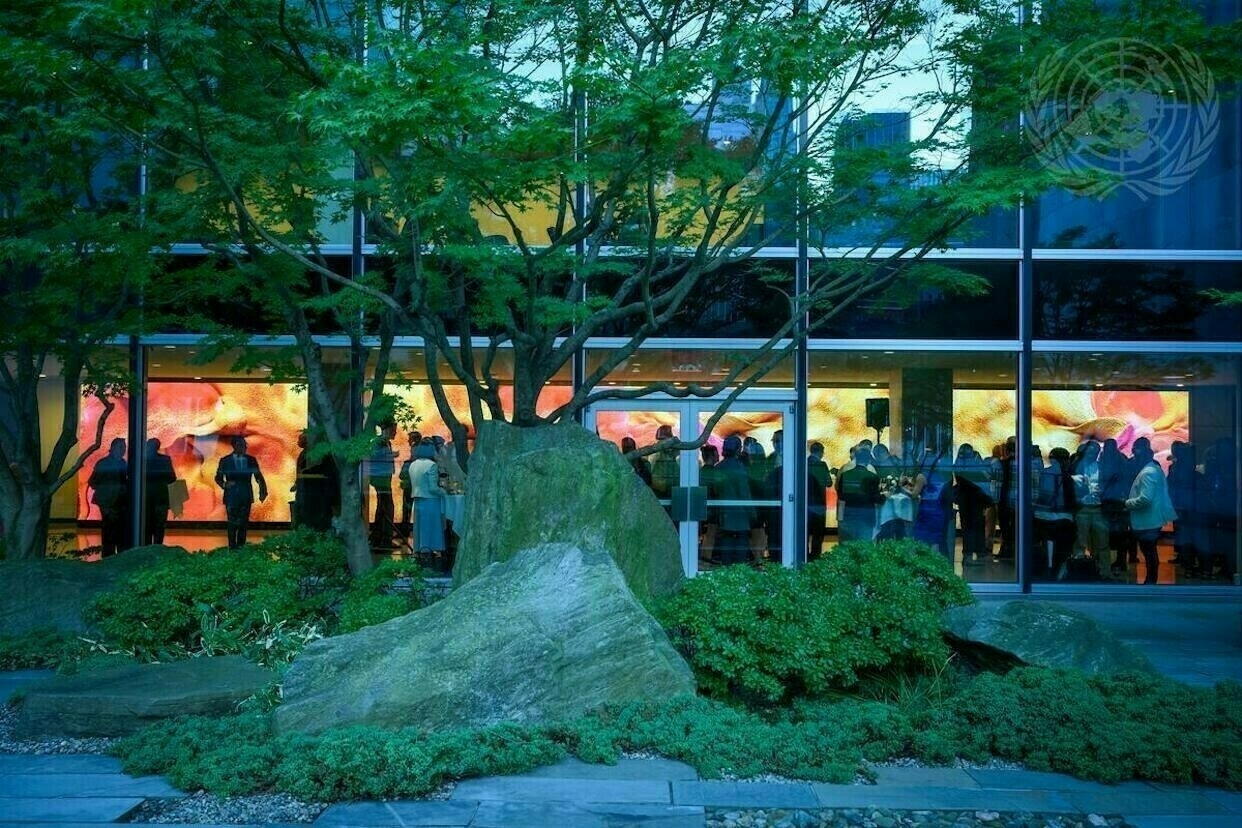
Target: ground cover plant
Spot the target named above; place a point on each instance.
(1104, 738)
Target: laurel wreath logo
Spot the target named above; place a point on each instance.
(1123, 114)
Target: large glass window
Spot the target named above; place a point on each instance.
(928, 428)
(1154, 301)
(1134, 468)
(924, 305)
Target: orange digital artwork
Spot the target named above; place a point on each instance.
(195, 422)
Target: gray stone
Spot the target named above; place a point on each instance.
(562, 484)
(53, 594)
(584, 815)
(721, 794)
(541, 637)
(77, 809)
(534, 789)
(121, 700)
(84, 785)
(1038, 633)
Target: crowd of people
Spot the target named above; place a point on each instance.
(1095, 510)
(426, 475)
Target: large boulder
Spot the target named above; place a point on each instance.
(541, 637)
(122, 700)
(53, 594)
(562, 484)
(1000, 635)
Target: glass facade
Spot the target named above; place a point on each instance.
(1021, 393)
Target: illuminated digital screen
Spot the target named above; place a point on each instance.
(194, 422)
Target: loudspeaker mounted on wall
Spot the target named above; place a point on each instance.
(877, 412)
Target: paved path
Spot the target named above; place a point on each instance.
(1196, 642)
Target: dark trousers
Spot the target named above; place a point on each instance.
(1008, 531)
(973, 544)
(238, 519)
(734, 547)
(1151, 556)
(382, 529)
(156, 521)
(112, 531)
(816, 529)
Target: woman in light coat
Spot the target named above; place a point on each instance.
(1149, 506)
(428, 498)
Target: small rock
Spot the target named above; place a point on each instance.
(987, 816)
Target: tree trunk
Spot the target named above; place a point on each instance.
(25, 523)
(351, 525)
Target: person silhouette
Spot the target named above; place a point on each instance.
(110, 482)
(157, 477)
(236, 474)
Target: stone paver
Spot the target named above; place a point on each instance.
(60, 763)
(535, 789)
(715, 794)
(1024, 780)
(74, 809)
(30, 785)
(924, 778)
(624, 769)
(566, 815)
(1136, 803)
(398, 815)
(941, 799)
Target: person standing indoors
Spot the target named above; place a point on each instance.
(380, 468)
(110, 482)
(858, 492)
(665, 469)
(639, 464)
(1149, 506)
(158, 476)
(405, 528)
(236, 475)
(1090, 522)
(428, 500)
(818, 479)
(737, 518)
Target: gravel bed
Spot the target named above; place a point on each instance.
(201, 807)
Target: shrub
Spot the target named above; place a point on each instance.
(392, 589)
(45, 648)
(1108, 728)
(772, 634)
(206, 603)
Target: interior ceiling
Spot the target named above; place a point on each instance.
(827, 368)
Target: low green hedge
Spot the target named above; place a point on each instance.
(772, 634)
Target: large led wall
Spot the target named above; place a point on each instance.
(195, 421)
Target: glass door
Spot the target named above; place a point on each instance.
(731, 500)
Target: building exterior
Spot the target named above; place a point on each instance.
(1098, 324)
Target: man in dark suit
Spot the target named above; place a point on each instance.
(818, 479)
(110, 482)
(159, 475)
(236, 474)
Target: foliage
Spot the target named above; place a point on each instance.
(825, 743)
(46, 648)
(266, 600)
(390, 590)
(772, 634)
(242, 755)
(1103, 728)
(1108, 728)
